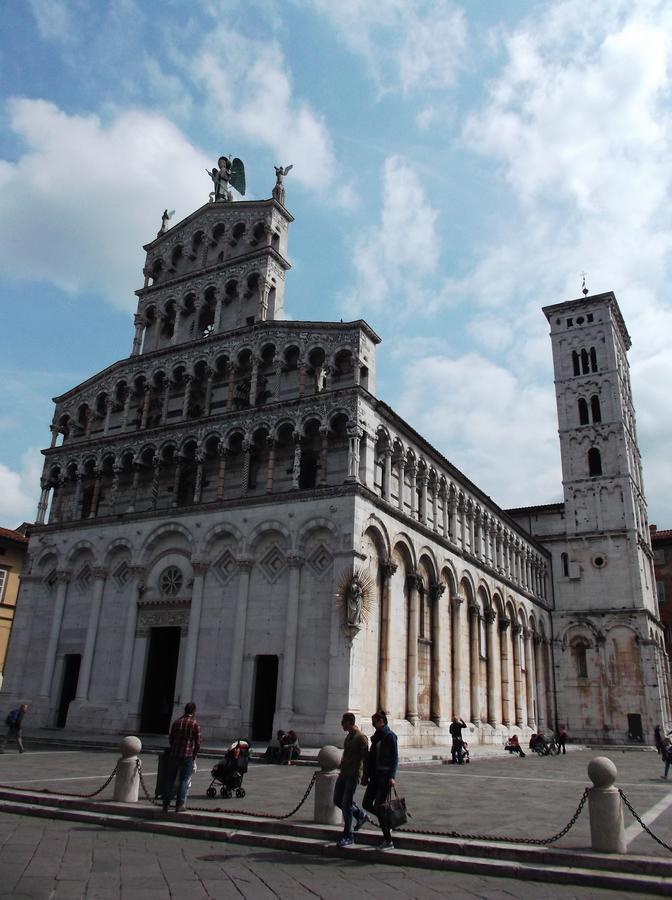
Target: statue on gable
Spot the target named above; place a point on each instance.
(229, 172)
(279, 189)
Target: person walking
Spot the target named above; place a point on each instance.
(455, 730)
(380, 771)
(355, 750)
(14, 722)
(666, 754)
(185, 742)
(658, 739)
(562, 738)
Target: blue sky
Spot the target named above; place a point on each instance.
(456, 167)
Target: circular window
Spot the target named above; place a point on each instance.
(599, 561)
(170, 581)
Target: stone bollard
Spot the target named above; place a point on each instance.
(605, 808)
(127, 779)
(328, 759)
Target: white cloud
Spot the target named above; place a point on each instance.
(408, 47)
(90, 193)
(499, 430)
(19, 491)
(393, 257)
(54, 19)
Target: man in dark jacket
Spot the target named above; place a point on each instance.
(455, 730)
(185, 742)
(15, 725)
(355, 749)
(380, 771)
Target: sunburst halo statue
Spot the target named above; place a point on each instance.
(355, 595)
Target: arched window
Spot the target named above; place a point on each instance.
(580, 659)
(564, 559)
(595, 408)
(594, 462)
(575, 362)
(583, 412)
(593, 360)
(584, 362)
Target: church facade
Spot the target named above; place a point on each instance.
(229, 515)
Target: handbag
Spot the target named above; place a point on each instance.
(393, 811)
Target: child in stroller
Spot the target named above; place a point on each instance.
(229, 773)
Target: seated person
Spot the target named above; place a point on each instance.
(538, 742)
(273, 752)
(513, 745)
(290, 748)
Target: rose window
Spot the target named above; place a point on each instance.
(170, 581)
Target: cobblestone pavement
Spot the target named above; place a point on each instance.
(42, 860)
(508, 796)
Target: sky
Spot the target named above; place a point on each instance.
(457, 166)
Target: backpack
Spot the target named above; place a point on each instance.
(13, 717)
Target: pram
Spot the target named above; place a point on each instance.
(230, 771)
(465, 752)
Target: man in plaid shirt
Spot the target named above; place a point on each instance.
(185, 742)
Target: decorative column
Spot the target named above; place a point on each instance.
(439, 675)
(491, 667)
(443, 494)
(134, 486)
(504, 668)
(387, 570)
(200, 567)
(354, 437)
(456, 646)
(156, 480)
(218, 312)
(452, 509)
(414, 585)
(145, 406)
(387, 473)
(413, 473)
(136, 574)
(238, 637)
(529, 683)
(108, 413)
(264, 291)
(139, 323)
(253, 381)
(539, 681)
(62, 579)
(245, 477)
(469, 513)
(198, 485)
(210, 374)
(84, 680)
(516, 631)
(402, 485)
(302, 377)
(277, 369)
(43, 502)
(286, 709)
(223, 453)
(54, 436)
(176, 481)
(188, 380)
(57, 505)
(127, 409)
(270, 468)
(324, 454)
(435, 507)
(95, 497)
(460, 536)
(475, 662)
(422, 512)
(77, 503)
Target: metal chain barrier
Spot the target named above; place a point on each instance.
(509, 840)
(46, 790)
(645, 827)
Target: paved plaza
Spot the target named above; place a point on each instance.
(498, 795)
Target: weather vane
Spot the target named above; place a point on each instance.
(584, 289)
(230, 172)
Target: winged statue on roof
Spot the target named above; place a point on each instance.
(229, 172)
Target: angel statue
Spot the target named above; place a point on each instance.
(355, 600)
(279, 189)
(230, 172)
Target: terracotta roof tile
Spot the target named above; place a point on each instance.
(10, 535)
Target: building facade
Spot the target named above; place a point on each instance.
(230, 515)
(661, 542)
(13, 549)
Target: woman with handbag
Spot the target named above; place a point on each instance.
(380, 770)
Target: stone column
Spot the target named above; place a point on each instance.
(200, 568)
(176, 481)
(62, 579)
(253, 381)
(422, 516)
(387, 473)
(238, 637)
(108, 413)
(529, 683)
(84, 680)
(354, 437)
(188, 379)
(286, 709)
(139, 323)
(223, 453)
(504, 667)
(491, 667)
(270, 468)
(230, 385)
(210, 374)
(95, 497)
(145, 406)
(324, 454)
(156, 479)
(413, 472)
(302, 377)
(414, 585)
(435, 507)
(245, 477)
(134, 487)
(136, 573)
(475, 662)
(452, 509)
(127, 409)
(516, 631)
(387, 570)
(54, 436)
(469, 514)
(539, 681)
(218, 312)
(43, 502)
(444, 511)
(439, 676)
(77, 502)
(57, 504)
(198, 484)
(457, 659)
(277, 369)
(402, 486)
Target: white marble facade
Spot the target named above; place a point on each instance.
(203, 498)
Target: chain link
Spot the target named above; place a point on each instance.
(509, 840)
(645, 827)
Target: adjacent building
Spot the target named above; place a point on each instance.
(230, 515)
(13, 548)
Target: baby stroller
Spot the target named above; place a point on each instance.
(465, 752)
(229, 773)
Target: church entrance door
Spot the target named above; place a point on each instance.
(159, 693)
(265, 689)
(69, 687)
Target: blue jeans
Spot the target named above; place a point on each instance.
(178, 767)
(344, 798)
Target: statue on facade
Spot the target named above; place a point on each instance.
(279, 189)
(355, 596)
(229, 172)
(165, 218)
